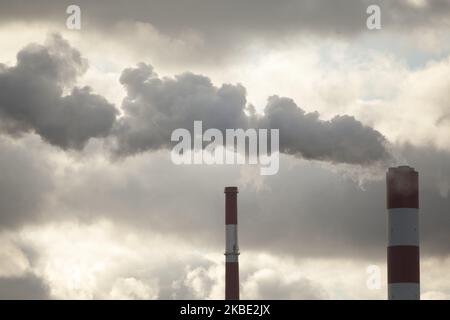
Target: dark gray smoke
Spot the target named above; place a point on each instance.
(155, 106)
(342, 139)
(31, 97)
(32, 100)
(27, 287)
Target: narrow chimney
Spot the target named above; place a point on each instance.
(231, 248)
(403, 261)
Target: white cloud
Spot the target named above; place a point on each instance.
(130, 288)
(13, 262)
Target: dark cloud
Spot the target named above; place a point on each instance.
(27, 287)
(225, 20)
(154, 107)
(31, 97)
(308, 209)
(215, 32)
(26, 181)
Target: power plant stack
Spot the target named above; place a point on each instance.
(403, 260)
(231, 247)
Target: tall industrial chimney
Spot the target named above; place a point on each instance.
(231, 247)
(403, 234)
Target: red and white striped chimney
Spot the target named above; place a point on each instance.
(403, 259)
(231, 247)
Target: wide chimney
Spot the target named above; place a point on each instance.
(403, 260)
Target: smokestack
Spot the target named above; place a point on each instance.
(231, 248)
(403, 233)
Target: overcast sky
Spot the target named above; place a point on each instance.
(91, 205)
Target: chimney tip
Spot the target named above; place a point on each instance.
(231, 190)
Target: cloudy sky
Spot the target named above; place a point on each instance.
(92, 207)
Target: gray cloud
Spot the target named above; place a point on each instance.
(216, 31)
(227, 20)
(154, 107)
(27, 287)
(307, 210)
(434, 178)
(26, 180)
(31, 97)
